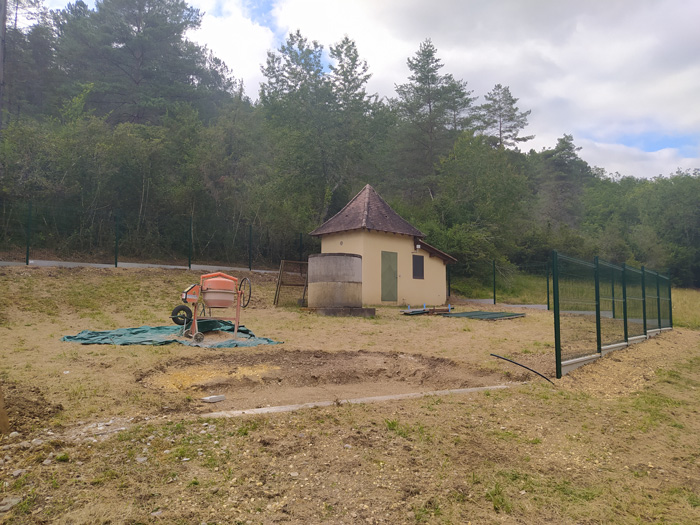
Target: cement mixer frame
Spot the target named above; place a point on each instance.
(214, 291)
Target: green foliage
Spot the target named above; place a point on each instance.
(501, 502)
(118, 126)
(433, 108)
(501, 119)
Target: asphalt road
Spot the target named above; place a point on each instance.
(69, 264)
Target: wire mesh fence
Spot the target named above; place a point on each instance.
(46, 231)
(505, 282)
(599, 306)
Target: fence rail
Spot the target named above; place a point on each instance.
(600, 306)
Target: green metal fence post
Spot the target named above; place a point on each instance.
(548, 286)
(658, 301)
(29, 232)
(191, 240)
(250, 247)
(644, 301)
(624, 300)
(494, 281)
(596, 273)
(557, 327)
(301, 247)
(612, 282)
(449, 282)
(116, 238)
(670, 302)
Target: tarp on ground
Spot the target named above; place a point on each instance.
(488, 316)
(164, 335)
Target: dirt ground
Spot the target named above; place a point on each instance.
(100, 425)
(320, 358)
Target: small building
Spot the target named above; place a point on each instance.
(398, 266)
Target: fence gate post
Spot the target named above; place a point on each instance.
(557, 327)
(596, 273)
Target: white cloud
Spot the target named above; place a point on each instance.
(228, 31)
(626, 161)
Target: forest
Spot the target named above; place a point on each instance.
(111, 115)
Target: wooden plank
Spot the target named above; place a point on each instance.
(4, 420)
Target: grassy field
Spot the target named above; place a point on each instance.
(613, 442)
(686, 308)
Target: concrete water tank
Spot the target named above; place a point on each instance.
(335, 280)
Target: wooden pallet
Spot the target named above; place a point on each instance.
(292, 274)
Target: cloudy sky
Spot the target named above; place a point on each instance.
(621, 76)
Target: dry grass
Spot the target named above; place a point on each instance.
(686, 308)
(614, 442)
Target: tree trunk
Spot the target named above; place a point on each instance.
(3, 20)
(4, 420)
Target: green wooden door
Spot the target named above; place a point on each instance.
(390, 276)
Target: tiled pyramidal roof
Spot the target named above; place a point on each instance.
(367, 210)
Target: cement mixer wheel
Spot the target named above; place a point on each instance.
(245, 287)
(181, 315)
(198, 337)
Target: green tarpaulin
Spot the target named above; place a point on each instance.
(164, 335)
(488, 316)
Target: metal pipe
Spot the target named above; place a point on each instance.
(526, 367)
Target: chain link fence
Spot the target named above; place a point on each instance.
(599, 306)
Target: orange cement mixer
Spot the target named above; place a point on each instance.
(214, 291)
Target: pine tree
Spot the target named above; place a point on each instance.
(500, 118)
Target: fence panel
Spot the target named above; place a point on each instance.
(612, 304)
(13, 230)
(636, 324)
(665, 301)
(599, 306)
(31, 230)
(576, 308)
(651, 296)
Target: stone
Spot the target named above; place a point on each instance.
(7, 503)
(213, 399)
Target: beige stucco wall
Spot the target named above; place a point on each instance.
(431, 290)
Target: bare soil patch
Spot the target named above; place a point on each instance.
(277, 377)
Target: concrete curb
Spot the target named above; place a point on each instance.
(377, 399)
